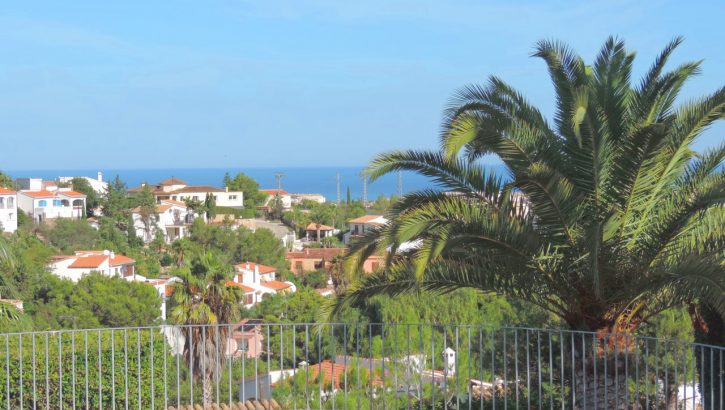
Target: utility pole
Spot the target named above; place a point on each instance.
(365, 189)
(400, 184)
(337, 178)
(278, 176)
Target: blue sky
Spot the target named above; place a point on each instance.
(176, 84)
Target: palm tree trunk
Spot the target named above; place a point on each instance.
(207, 390)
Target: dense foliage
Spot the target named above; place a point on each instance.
(607, 215)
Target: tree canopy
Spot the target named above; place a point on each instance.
(606, 217)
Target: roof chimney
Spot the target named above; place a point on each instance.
(113, 255)
(247, 267)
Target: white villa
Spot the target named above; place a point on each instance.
(258, 282)
(285, 196)
(174, 189)
(8, 210)
(43, 200)
(360, 226)
(105, 262)
(172, 218)
(98, 184)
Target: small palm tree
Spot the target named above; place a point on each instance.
(202, 303)
(605, 216)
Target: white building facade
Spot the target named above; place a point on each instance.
(258, 282)
(82, 263)
(98, 184)
(360, 226)
(44, 204)
(8, 210)
(172, 218)
(174, 189)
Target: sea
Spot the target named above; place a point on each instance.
(317, 180)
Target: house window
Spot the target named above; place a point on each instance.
(2, 202)
(42, 203)
(56, 202)
(11, 202)
(298, 266)
(232, 197)
(248, 299)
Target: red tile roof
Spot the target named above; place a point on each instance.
(72, 194)
(313, 227)
(364, 219)
(326, 254)
(246, 289)
(334, 371)
(273, 192)
(38, 194)
(262, 268)
(6, 191)
(172, 181)
(275, 284)
(121, 260)
(88, 262)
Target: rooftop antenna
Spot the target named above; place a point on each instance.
(400, 184)
(278, 176)
(337, 179)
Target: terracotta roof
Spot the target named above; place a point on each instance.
(246, 289)
(172, 181)
(38, 194)
(317, 253)
(313, 227)
(262, 268)
(5, 191)
(73, 194)
(161, 208)
(364, 219)
(172, 202)
(275, 284)
(121, 260)
(334, 372)
(88, 262)
(274, 192)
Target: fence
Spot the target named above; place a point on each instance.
(349, 366)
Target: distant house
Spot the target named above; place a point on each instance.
(312, 259)
(174, 189)
(233, 222)
(298, 198)
(284, 196)
(360, 226)
(171, 218)
(316, 232)
(258, 282)
(164, 287)
(82, 263)
(8, 210)
(246, 339)
(42, 200)
(98, 184)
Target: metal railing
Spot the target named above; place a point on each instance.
(355, 366)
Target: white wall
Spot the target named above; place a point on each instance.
(9, 212)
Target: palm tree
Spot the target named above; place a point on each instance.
(604, 216)
(202, 302)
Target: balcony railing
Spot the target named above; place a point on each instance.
(352, 366)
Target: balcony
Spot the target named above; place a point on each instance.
(313, 366)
